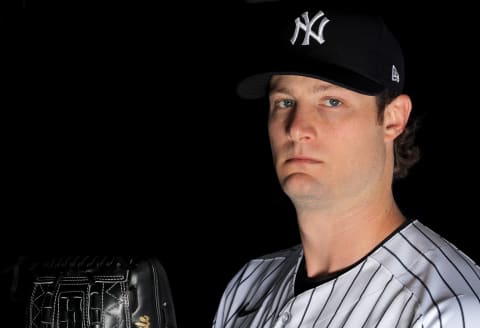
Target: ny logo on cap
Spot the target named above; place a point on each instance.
(306, 25)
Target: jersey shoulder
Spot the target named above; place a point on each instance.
(443, 280)
(294, 251)
(270, 264)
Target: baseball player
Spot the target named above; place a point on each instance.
(338, 131)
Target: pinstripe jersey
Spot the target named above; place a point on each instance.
(415, 278)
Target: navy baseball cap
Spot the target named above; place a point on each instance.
(354, 51)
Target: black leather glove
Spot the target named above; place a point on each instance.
(100, 292)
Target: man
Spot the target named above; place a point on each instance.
(337, 120)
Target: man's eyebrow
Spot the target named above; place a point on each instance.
(323, 87)
(276, 89)
(315, 89)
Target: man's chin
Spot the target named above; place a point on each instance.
(299, 184)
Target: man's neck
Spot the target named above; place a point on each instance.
(333, 240)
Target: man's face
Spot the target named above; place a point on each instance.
(326, 141)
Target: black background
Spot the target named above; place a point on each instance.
(123, 135)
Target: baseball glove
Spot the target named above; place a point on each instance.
(100, 292)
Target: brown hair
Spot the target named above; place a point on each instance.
(406, 152)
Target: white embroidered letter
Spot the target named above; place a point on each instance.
(395, 75)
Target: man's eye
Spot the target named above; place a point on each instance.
(332, 102)
(286, 103)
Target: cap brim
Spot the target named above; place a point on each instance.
(257, 86)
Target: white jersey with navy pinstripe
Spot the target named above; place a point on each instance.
(414, 279)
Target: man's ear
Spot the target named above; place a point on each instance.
(395, 116)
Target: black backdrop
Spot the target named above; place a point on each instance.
(124, 136)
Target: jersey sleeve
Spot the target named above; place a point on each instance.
(228, 306)
(461, 311)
